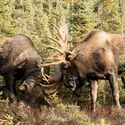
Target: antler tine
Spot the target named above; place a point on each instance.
(65, 46)
(54, 58)
(48, 76)
(51, 47)
(61, 39)
(50, 64)
(64, 35)
(58, 31)
(57, 41)
(66, 39)
(42, 71)
(52, 91)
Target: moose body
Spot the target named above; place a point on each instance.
(19, 61)
(98, 57)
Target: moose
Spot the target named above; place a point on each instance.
(19, 61)
(97, 56)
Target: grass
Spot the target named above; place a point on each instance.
(32, 109)
(63, 114)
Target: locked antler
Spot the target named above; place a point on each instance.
(61, 39)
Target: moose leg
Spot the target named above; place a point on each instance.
(123, 81)
(94, 88)
(10, 82)
(115, 89)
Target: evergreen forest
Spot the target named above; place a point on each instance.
(35, 19)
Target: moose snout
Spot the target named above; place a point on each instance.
(27, 85)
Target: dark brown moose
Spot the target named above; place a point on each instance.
(97, 56)
(19, 61)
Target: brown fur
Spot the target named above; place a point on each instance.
(108, 46)
(98, 57)
(15, 50)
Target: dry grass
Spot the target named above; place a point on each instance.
(32, 110)
(61, 115)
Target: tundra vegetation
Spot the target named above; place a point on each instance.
(34, 18)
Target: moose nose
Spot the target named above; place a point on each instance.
(27, 85)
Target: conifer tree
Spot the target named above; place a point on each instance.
(23, 15)
(82, 18)
(41, 20)
(6, 21)
(110, 16)
(122, 8)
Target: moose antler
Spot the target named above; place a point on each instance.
(63, 35)
(61, 39)
(51, 47)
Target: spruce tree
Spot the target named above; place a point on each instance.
(110, 16)
(82, 18)
(6, 21)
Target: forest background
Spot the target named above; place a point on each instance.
(34, 18)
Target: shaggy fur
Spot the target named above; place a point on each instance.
(14, 50)
(98, 56)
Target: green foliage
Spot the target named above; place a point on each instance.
(34, 18)
(6, 20)
(3, 103)
(110, 20)
(82, 19)
(23, 114)
(8, 120)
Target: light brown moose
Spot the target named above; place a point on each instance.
(97, 56)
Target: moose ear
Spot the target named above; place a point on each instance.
(70, 56)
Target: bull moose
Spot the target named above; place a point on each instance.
(97, 56)
(19, 61)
